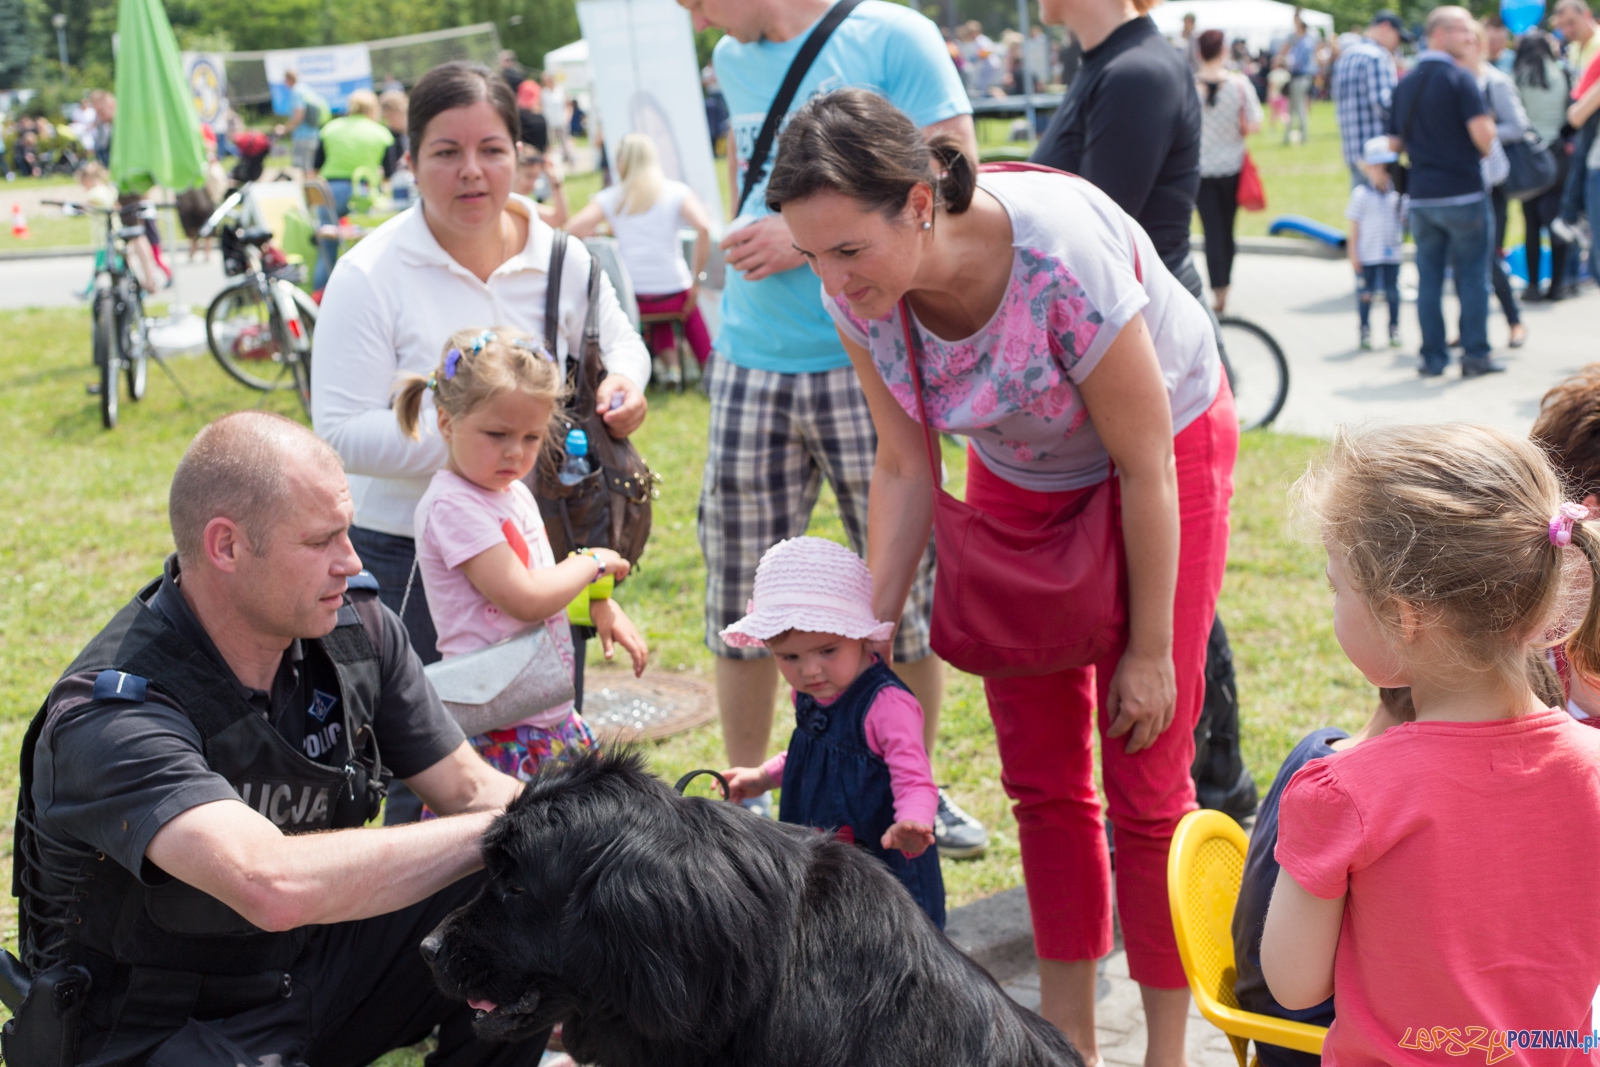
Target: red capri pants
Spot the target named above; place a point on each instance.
(1043, 728)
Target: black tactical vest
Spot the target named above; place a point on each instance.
(163, 952)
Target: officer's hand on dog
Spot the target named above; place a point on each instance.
(912, 838)
(747, 782)
(615, 628)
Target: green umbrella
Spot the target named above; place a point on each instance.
(156, 139)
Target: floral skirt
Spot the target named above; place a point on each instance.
(520, 750)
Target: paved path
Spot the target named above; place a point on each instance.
(1309, 305)
(1119, 1020)
(57, 282)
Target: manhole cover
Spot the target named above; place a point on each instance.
(645, 709)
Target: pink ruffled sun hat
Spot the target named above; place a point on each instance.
(809, 584)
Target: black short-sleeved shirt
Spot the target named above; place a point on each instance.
(1130, 123)
(1255, 893)
(111, 775)
(1444, 161)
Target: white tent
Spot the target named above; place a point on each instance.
(570, 63)
(1257, 22)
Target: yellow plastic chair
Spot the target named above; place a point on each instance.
(1204, 869)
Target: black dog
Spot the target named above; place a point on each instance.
(666, 931)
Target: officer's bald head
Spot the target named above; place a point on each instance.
(240, 468)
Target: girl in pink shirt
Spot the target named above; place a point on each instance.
(485, 560)
(856, 765)
(1427, 876)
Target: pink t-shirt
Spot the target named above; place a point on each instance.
(457, 520)
(1469, 852)
(894, 731)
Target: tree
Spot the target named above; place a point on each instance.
(17, 41)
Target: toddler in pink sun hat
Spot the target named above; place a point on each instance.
(856, 765)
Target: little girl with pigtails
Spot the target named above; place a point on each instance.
(482, 551)
(1429, 875)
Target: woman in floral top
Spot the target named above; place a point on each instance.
(1053, 338)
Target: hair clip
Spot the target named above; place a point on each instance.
(451, 360)
(433, 382)
(1561, 523)
(482, 339)
(528, 344)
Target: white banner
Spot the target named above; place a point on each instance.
(333, 73)
(206, 74)
(646, 80)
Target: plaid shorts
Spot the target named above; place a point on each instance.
(774, 437)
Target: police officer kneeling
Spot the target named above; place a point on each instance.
(176, 905)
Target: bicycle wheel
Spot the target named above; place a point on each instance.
(135, 340)
(1257, 371)
(108, 354)
(241, 334)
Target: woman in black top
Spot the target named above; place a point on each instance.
(1130, 123)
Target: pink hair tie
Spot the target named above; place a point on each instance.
(1561, 523)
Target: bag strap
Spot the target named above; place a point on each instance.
(552, 292)
(756, 165)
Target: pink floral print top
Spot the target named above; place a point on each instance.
(1012, 387)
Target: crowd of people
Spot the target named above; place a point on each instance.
(475, 368)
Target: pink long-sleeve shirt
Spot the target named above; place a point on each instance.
(894, 731)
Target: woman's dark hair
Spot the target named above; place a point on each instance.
(1534, 52)
(853, 141)
(459, 83)
(1210, 45)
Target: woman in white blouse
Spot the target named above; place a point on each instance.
(645, 212)
(1229, 111)
(470, 254)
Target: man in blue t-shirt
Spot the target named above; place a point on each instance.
(307, 112)
(786, 408)
(1300, 57)
(1440, 120)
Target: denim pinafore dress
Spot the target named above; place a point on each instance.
(834, 782)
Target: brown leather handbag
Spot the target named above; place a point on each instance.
(611, 507)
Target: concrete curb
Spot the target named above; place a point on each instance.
(46, 253)
(1290, 246)
(996, 932)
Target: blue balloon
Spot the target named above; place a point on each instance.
(1520, 16)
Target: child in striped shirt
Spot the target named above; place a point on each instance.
(1377, 223)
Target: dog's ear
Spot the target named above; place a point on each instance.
(681, 931)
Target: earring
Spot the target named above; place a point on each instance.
(928, 225)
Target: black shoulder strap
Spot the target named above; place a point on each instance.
(756, 165)
(552, 293)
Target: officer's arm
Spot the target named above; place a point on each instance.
(463, 782)
(230, 851)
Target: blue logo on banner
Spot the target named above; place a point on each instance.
(321, 704)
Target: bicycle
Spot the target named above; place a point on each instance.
(121, 340)
(1257, 370)
(262, 324)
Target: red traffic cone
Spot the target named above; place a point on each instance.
(19, 224)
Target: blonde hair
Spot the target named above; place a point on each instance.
(362, 102)
(1454, 521)
(639, 166)
(477, 366)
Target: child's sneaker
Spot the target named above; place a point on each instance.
(1366, 339)
(1394, 338)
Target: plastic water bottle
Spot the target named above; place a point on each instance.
(403, 189)
(577, 466)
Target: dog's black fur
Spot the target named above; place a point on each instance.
(666, 931)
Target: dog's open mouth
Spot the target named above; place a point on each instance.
(506, 1022)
